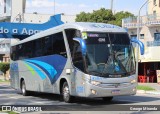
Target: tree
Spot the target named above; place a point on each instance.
(104, 16)
(120, 15)
(82, 17)
(4, 67)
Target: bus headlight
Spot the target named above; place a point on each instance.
(95, 82)
(133, 81)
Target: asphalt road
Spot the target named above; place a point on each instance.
(9, 96)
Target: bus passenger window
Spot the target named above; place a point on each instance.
(77, 56)
(59, 45)
(48, 45)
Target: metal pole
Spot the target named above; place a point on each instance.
(112, 6)
(138, 34)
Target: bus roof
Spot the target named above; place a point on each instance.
(82, 26)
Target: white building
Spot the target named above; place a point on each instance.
(149, 35)
(14, 11)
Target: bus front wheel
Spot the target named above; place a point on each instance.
(108, 99)
(66, 93)
(23, 89)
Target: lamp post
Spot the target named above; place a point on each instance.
(112, 6)
(138, 33)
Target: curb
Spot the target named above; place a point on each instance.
(148, 92)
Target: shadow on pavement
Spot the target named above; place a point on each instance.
(53, 98)
(98, 101)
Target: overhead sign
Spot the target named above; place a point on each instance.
(14, 30)
(23, 31)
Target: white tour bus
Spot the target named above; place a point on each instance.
(76, 59)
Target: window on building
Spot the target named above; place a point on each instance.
(141, 36)
(154, 2)
(156, 36)
(154, 12)
(5, 6)
(133, 36)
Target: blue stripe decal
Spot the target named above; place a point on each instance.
(47, 68)
(40, 73)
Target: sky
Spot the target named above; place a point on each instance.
(73, 7)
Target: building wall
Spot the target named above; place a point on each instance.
(5, 7)
(149, 31)
(5, 10)
(68, 18)
(154, 5)
(35, 18)
(41, 18)
(17, 10)
(151, 45)
(5, 45)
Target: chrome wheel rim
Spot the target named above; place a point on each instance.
(66, 93)
(23, 88)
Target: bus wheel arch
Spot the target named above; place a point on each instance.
(65, 91)
(61, 84)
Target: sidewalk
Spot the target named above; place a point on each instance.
(156, 86)
(3, 83)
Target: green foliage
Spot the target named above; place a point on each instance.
(104, 16)
(5, 81)
(120, 15)
(4, 67)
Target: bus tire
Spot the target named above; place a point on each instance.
(108, 99)
(23, 89)
(66, 93)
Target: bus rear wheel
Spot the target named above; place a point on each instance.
(23, 89)
(66, 93)
(108, 99)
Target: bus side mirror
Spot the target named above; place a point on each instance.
(141, 45)
(82, 44)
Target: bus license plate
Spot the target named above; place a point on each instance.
(115, 92)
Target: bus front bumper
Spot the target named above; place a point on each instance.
(97, 91)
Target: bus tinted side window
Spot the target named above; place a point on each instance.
(59, 45)
(77, 57)
(37, 48)
(72, 33)
(13, 53)
(49, 45)
(21, 51)
(28, 49)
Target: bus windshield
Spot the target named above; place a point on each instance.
(109, 54)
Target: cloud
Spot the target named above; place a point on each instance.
(39, 3)
(83, 6)
(47, 7)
